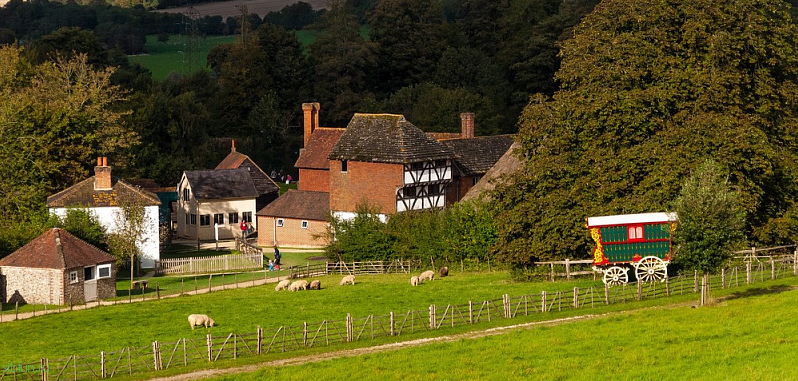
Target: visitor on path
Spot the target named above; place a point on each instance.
(243, 228)
(277, 257)
(271, 265)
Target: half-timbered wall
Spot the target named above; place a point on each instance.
(425, 185)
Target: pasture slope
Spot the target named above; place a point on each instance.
(233, 8)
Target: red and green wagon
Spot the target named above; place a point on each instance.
(632, 241)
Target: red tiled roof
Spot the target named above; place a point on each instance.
(56, 249)
(299, 204)
(84, 194)
(319, 146)
(232, 161)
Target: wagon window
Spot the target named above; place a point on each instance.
(635, 232)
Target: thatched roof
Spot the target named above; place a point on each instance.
(507, 165)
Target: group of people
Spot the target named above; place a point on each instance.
(281, 176)
(274, 264)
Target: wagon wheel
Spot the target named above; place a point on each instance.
(615, 276)
(651, 269)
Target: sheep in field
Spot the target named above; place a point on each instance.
(444, 271)
(349, 279)
(315, 285)
(426, 275)
(282, 285)
(298, 285)
(198, 319)
(414, 280)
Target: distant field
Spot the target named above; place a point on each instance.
(232, 8)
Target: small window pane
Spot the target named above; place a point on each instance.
(280, 222)
(205, 220)
(218, 218)
(304, 224)
(104, 271)
(246, 216)
(232, 218)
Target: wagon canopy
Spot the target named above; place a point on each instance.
(629, 219)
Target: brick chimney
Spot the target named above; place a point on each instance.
(467, 125)
(102, 174)
(233, 148)
(311, 122)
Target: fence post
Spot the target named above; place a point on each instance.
(639, 289)
(748, 272)
(722, 278)
(552, 271)
(695, 281)
(795, 261)
(606, 293)
(102, 365)
(543, 301)
(16, 310)
(304, 334)
(772, 268)
(576, 297)
(567, 269)
(667, 285)
(209, 342)
(155, 354)
(259, 339)
(432, 316)
(209, 282)
(181, 286)
(44, 366)
(393, 324)
(470, 311)
(504, 305)
(349, 329)
(157, 290)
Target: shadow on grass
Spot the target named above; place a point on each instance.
(774, 289)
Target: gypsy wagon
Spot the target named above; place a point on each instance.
(632, 241)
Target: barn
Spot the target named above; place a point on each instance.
(57, 268)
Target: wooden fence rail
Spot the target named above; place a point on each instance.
(191, 265)
(350, 268)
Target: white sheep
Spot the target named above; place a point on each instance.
(298, 285)
(414, 280)
(349, 279)
(315, 285)
(199, 319)
(426, 275)
(282, 285)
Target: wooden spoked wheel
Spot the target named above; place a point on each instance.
(651, 269)
(615, 276)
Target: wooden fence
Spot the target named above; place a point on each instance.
(569, 270)
(158, 355)
(351, 268)
(191, 265)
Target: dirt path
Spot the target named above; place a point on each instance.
(201, 374)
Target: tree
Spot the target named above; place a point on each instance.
(129, 233)
(648, 90)
(363, 237)
(711, 221)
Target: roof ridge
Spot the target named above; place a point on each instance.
(59, 248)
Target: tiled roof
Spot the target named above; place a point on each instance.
(84, 194)
(299, 204)
(263, 183)
(386, 138)
(507, 165)
(475, 156)
(56, 249)
(321, 142)
(232, 161)
(215, 184)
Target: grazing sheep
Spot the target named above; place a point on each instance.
(444, 271)
(198, 319)
(349, 279)
(315, 285)
(298, 285)
(282, 285)
(426, 275)
(414, 280)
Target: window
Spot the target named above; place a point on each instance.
(434, 189)
(280, 222)
(103, 271)
(344, 165)
(246, 216)
(205, 219)
(193, 219)
(304, 224)
(635, 233)
(88, 273)
(73, 277)
(410, 192)
(232, 218)
(185, 194)
(187, 219)
(218, 218)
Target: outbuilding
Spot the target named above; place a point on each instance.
(57, 268)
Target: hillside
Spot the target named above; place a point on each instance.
(232, 8)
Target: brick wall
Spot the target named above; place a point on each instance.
(291, 233)
(314, 180)
(33, 286)
(376, 183)
(460, 186)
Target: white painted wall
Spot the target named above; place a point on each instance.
(148, 244)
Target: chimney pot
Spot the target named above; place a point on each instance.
(233, 148)
(102, 174)
(467, 125)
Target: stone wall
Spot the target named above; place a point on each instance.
(33, 286)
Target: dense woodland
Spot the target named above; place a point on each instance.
(625, 102)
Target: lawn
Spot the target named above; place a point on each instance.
(750, 336)
(172, 56)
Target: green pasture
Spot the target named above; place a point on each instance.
(750, 336)
(172, 56)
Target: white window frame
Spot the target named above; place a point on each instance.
(280, 222)
(100, 267)
(304, 224)
(73, 277)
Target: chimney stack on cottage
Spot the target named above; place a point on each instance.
(467, 125)
(311, 123)
(102, 174)
(233, 148)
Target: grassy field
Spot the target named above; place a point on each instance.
(750, 336)
(172, 56)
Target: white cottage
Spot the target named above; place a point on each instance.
(102, 196)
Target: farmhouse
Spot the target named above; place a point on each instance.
(104, 196)
(214, 202)
(57, 268)
(267, 189)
